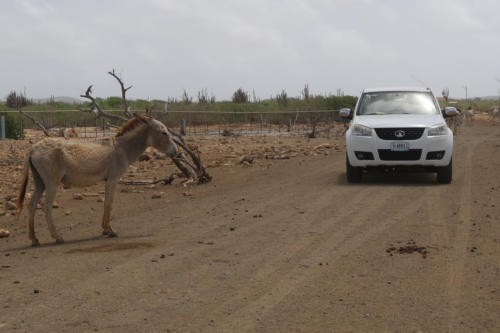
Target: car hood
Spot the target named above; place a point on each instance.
(399, 120)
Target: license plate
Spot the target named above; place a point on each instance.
(400, 146)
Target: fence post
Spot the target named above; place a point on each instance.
(183, 127)
(2, 127)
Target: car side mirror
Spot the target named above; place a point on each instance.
(345, 113)
(450, 111)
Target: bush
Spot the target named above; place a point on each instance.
(113, 102)
(240, 96)
(13, 126)
(15, 100)
(282, 98)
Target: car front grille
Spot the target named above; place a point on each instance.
(410, 133)
(389, 155)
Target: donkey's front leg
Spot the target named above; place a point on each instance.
(108, 202)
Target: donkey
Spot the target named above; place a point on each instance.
(468, 117)
(73, 163)
(494, 114)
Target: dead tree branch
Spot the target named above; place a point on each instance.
(126, 110)
(94, 107)
(166, 181)
(37, 123)
(202, 174)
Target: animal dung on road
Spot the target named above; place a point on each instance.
(411, 247)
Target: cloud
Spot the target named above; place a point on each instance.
(60, 47)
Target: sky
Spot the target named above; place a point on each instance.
(162, 47)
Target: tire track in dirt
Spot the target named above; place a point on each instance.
(283, 280)
(439, 230)
(198, 274)
(458, 257)
(269, 255)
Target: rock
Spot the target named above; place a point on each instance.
(124, 190)
(248, 159)
(100, 199)
(187, 194)
(4, 233)
(55, 204)
(158, 195)
(68, 212)
(9, 205)
(90, 194)
(323, 146)
(77, 196)
(159, 156)
(144, 157)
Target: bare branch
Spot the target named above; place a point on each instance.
(166, 181)
(37, 123)
(124, 91)
(202, 174)
(112, 126)
(94, 107)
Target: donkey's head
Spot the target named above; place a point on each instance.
(159, 136)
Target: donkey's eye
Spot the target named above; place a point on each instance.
(164, 133)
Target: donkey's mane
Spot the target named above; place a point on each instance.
(131, 124)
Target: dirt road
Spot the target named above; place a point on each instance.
(286, 246)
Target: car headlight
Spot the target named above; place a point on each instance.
(439, 129)
(360, 130)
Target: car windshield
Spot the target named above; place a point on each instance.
(397, 102)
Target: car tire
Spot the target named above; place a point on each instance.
(445, 174)
(354, 174)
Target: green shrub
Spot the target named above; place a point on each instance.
(15, 100)
(240, 96)
(13, 126)
(113, 102)
(282, 98)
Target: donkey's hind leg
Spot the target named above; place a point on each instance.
(50, 194)
(39, 188)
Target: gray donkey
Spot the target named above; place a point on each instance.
(73, 163)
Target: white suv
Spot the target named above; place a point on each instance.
(397, 128)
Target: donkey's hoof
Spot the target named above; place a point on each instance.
(59, 241)
(109, 233)
(35, 243)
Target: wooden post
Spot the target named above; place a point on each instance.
(2, 127)
(183, 127)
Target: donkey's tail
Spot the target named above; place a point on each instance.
(24, 183)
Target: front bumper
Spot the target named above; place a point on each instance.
(380, 151)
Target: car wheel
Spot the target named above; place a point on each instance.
(354, 174)
(444, 174)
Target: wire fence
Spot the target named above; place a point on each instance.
(188, 122)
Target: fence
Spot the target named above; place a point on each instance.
(189, 122)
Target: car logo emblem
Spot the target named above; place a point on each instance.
(399, 134)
